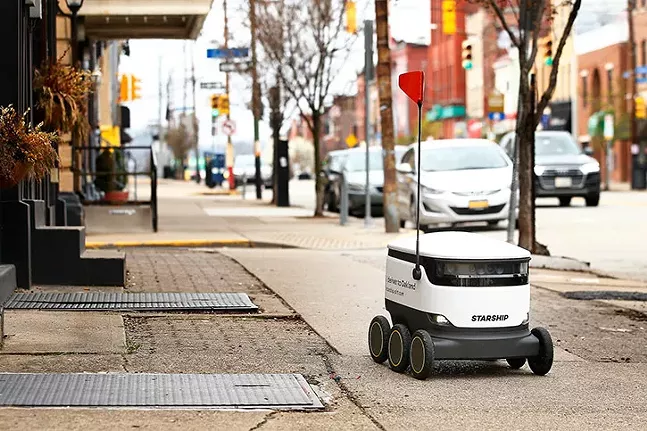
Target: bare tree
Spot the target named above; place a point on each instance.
(307, 60)
(180, 140)
(525, 21)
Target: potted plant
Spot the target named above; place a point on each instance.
(62, 92)
(25, 151)
(110, 177)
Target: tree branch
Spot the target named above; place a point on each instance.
(552, 82)
(499, 13)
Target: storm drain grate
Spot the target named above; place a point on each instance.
(216, 391)
(100, 301)
(606, 295)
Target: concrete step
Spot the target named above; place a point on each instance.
(7, 287)
(59, 256)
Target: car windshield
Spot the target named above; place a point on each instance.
(462, 158)
(555, 145)
(245, 160)
(356, 161)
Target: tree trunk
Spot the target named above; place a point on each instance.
(525, 130)
(391, 217)
(319, 184)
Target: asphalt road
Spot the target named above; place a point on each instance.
(612, 237)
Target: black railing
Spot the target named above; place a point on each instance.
(110, 179)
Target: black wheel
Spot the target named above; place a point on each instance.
(378, 338)
(332, 204)
(516, 363)
(564, 201)
(421, 354)
(593, 200)
(399, 343)
(492, 223)
(543, 362)
(403, 223)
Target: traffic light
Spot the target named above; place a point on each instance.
(548, 52)
(223, 104)
(124, 89)
(467, 54)
(214, 101)
(351, 17)
(134, 88)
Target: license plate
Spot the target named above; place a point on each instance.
(477, 204)
(563, 182)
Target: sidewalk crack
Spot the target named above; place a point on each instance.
(265, 420)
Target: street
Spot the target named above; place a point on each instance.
(611, 237)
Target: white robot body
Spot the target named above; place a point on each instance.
(486, 287)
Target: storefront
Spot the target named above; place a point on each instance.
(451, 117)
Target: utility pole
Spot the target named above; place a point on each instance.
(194, 117)
(391, 217)
(256, 100)
(229, 155)
(184, 97)
(631, 6)
(368, 77)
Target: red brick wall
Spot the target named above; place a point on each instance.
(595, 96)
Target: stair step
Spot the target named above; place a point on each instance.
(7, 282)
(104, 267)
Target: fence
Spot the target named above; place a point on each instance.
(115, 180)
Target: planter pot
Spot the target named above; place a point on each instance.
(116, 197)
(19, 173)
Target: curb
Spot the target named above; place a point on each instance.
(561, 263)
(94, 245)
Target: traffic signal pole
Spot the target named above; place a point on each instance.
(229, 155)
(256, 100)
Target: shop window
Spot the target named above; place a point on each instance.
(610, 86)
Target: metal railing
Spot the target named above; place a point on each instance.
(89, 176)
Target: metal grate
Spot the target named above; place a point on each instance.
(99, 301)
(220, 391)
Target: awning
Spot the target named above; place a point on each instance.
(143, 19)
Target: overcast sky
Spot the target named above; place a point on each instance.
(151, 60)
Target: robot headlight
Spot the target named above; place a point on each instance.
(467, 269)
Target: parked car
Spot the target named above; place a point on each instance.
(354, 168)
(562, 169)
(331, 166)
(245, 171)
(462, 180)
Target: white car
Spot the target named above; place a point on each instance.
(462, 180)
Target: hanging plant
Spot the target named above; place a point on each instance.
(25, 151)
(62, 92)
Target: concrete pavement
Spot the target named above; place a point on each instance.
(598, 380)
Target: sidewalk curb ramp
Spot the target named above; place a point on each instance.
(561, 263)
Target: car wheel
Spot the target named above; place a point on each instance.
(332, 202)
(593, 200)
(564, 201)
(492, 223)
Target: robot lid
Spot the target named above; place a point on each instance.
(460, 245)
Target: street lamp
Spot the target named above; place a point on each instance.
(74, 6)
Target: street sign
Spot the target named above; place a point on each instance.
(229, 127)
(496, 102)
(496, 116)
(449, 16)
(235, 67)
(351, 140)
(212, 85)
(641, 69)
(227, 52)
(608, 127)
(641, 80)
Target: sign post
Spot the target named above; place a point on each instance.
(608, 137)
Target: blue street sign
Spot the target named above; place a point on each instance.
(545, 118)
(496, 116)
(641, 69)
(641, 80)
(227, 53)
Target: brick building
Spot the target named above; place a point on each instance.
(339, 123)
(406, 57)
(603, 57)
(446, 73)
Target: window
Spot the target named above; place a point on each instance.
(610, 86)
(643, 49)
(462, 158)
(585, 91)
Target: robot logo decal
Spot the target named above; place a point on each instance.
(398, 283)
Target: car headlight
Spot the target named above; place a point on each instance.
(429, 191)
(590, 168)
(539, 170)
